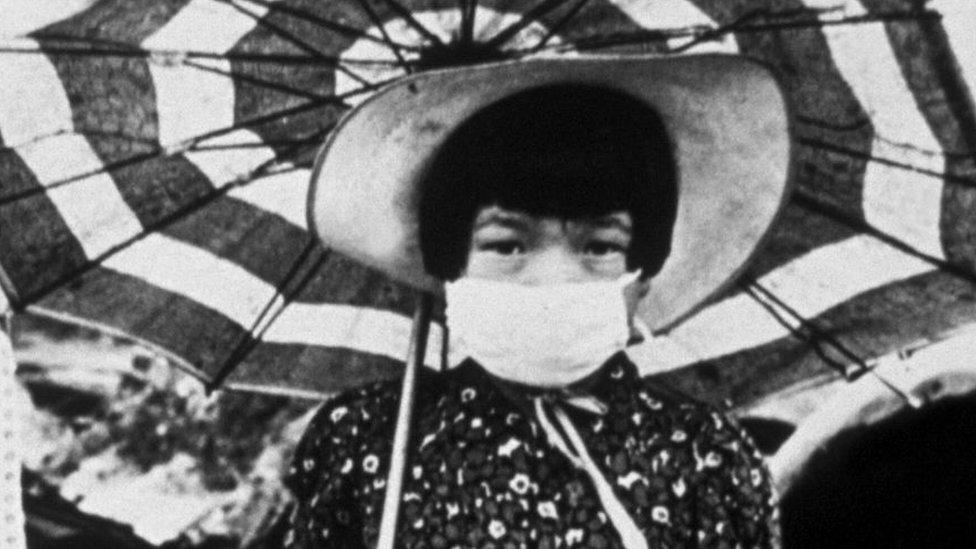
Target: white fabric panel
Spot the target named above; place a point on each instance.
(959, 22)
(284, 194)
(903, 204)
(205, 25)
(91, 206)
(367, 330)
(191, 101)
(196, 274)
(675, 14)
(23, 16)
(811, 284)
(237, 161)
(32, 100)
(240, 296)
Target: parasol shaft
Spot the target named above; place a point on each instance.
(398, 456)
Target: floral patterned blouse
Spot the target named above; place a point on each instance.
(482, 472)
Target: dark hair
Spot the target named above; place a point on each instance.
(569, 151)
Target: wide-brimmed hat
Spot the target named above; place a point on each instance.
(726, 116)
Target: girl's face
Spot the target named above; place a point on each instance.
(512, 246)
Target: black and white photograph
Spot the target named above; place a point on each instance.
(500, 274)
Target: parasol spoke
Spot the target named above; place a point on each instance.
(169, 56)
(813, 334)
(290, 37)
(555, 29)
(189, 144)
(699, 34)
(407, 16)
(524, 21)
(817, 206)
(797, 327)
(299, 275)
(269, 167)
(468, 10)
(328, 24)
(863, 123)
(259, 82)
(114, 48)
(947, 177)
(390, 43)
(833, 126)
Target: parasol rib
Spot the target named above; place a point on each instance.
(468, 9)
(324, 23)
(289, 37)
(797, 332)
(760, 294)
(285, 292)
(947, 177)
(819, 334)
(558, 27)
(958, 99)
(125, 51)
(192, 142)
(702, 33)
(393, 46)
(814, 205)
(524, 21)
(410, 20)
(266, 84)
(174, 216)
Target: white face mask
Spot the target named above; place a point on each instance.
(547, 336)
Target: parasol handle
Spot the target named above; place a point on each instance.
(398, 455)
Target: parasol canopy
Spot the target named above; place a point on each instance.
(156, 157)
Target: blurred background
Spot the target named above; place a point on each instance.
(121, 449)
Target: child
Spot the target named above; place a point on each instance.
(548, 212)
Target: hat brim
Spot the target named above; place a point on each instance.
(726, 115)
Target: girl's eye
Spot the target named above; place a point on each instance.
(602, 248)
(504, 247)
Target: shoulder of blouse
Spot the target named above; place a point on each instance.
(343, 422)
(354, 423)
(704, 421)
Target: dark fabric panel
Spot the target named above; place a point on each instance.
(312, 82)
(322, 369)
(342, 280)
(110, 96)
(875, 323)
(263, 243)
(797, 232)
(833, 133)
(201, 336)
(37, 249)
(155, 186)
(929, 66)
(129, 21)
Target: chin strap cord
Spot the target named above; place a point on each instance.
(576, 452)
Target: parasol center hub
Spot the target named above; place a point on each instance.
(458, 54)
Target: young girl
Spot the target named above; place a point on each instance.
(548, 212)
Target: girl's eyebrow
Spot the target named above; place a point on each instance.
(504, 218)
(612, 221)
